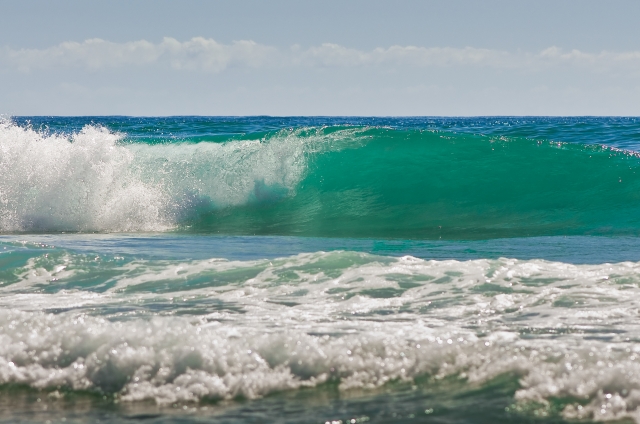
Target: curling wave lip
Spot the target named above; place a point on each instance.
(319, 181)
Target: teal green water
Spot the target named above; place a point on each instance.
(387, 183)
(319, 270)
(341, 180)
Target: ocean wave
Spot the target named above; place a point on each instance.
(325, 181)
(191, 331)
(93, 181)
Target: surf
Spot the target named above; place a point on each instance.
(184, 332)
(336, 181)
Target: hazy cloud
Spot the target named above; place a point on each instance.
(196, 54)
(202, 54)
(333, 55)
(339, 56)
(207, 55)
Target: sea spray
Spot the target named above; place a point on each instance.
(391, 314)
(192, 331)
(93, 181)
(81, 183)
(328, 181)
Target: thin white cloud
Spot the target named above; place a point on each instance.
(333, 55)
(196, 54)
(202, 54)
(339, 56)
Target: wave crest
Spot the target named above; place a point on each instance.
(94, 181)
(327, 181)
(83, 182)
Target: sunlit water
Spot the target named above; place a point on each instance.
(198, 282)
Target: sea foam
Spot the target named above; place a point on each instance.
(84, 182)
(336, 181)
(93, 180)
(188, 331)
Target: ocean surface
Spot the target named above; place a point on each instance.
(319, 270)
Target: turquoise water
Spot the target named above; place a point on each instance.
(342, 180)
(319, 269)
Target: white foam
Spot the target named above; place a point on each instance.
(81, 183)
(170, 360)
(256, 327)
(92, 181)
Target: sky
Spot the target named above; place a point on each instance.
(348, 57)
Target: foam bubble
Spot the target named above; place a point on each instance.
(79, 183)
(93, 181)
(185, 331)
(171, 360)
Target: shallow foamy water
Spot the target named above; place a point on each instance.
(341, 270)
(351, 334)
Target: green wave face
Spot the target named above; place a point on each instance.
(424, 185)
(333, 181)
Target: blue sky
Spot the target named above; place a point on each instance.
(572, 57)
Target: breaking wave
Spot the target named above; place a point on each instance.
(324, 181)
(190, 331)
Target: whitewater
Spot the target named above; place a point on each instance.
(260, 269)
